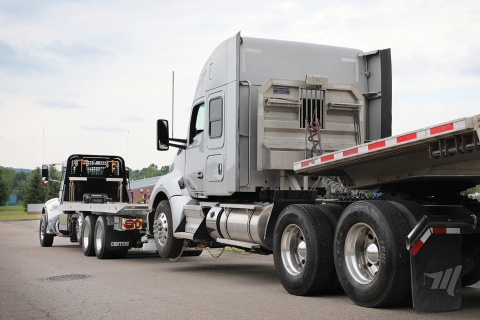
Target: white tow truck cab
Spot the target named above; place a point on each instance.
(93, 208)
(289, 151)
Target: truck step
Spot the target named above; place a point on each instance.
(183, 235)
(236, 243)
(149, 245)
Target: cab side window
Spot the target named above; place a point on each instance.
(197, 122)
(215, 118)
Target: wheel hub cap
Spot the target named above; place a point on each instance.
(371, 253)
(160, 229)
(293, 249)
(362, 255)
(98, 237)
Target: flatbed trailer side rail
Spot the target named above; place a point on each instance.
(316, 165)
(104, 208)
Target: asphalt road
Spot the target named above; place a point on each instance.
(144, 286)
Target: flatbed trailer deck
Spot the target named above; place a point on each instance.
(424, 154)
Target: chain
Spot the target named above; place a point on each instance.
(217, 256)
(181, 252)
(71, 195)
(314, 137)
(119, 191)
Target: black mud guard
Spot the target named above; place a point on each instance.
(436, 271)
(119, 240)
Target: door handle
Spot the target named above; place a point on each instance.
(220, 170)
(200, 175)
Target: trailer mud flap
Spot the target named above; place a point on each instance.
(119, 240)
(436, 271)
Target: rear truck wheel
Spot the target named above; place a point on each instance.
(102, 236)
(472, 277)
(302, 246)
(73, 233)
(371, 259)
(46, 240)
(88, 232)
(78, 227)
(167, 245)
(332, 212)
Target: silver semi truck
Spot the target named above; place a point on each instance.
(289, 152)
(93, 208)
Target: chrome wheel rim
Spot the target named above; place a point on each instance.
(78, 226)
(362, 255)
(42, 229)
(293, 249)
(85, 238)
(160, 227)
(98, 237)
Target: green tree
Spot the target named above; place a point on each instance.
(4, 188)
(34, 192)
(149, 172)
(19, 184)
(19, 189)
(8, 175)
(164, 170)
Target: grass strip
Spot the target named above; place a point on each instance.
(12, 213)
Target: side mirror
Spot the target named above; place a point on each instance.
(127, 173)
(44, 172)
(162, 135)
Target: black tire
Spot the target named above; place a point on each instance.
(88, 232)
(46, 240)
(307, 271)
(102, 236)
(73, 232)
(412, 211)
(167, 245)
(472, 277)
(192, 253)
(382, 277)
(332, 212)
(120, 254)
(78, 227)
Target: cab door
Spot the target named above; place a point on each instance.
(215, 136)
(195, 153)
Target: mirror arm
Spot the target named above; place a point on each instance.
(180, 146)
(178, 140)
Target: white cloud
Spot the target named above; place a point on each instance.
(77, 52)
(20, 61)
(59, 104)
(102, 128)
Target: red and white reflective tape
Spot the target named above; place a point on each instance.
(414, 250)
(418, 135)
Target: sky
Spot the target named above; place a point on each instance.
(81, 76)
